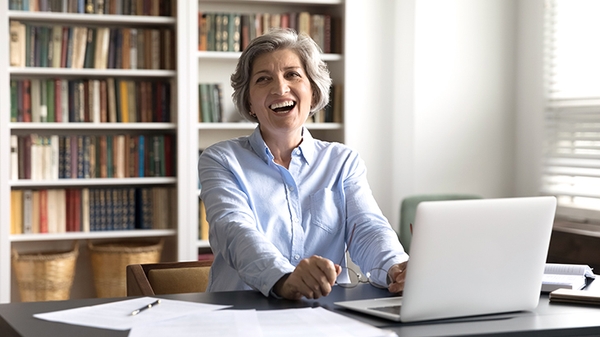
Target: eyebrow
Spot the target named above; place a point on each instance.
(285, 69)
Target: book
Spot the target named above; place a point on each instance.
(568, 276)
(90, 48)
(45, 48)
(205, 115)
(43, 211)
(202, 32)
(17, 44)
(27, 211)
(101, 49)
(79, 45)
(27, 100)
(35, 212)
(125, 48)
(64, 100)
(13, 101)
(133, 58)
(155, 49)
(14, 157)
(61, 210)
(58, 113)
(575, 296)
(50, 104)
(54, 153)
(39, 108)
(16, 211)
(57, 38)
(85, 210)
(112, 100)
(52, 210)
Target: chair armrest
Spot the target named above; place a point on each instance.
(137, 282)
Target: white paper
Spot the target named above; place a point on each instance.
(117, 315)
(569, 269)
(267, 323)
(315, 322)
(217, 323)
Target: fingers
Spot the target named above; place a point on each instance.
(397, 275)
(312, 278)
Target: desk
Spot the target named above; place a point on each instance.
(548, 319)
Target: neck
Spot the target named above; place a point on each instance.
(282, 145)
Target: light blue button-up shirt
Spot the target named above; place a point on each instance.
(265, 218)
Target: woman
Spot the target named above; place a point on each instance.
(281, 204)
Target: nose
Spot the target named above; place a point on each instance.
(280, 86)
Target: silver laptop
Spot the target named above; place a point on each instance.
(471, 257)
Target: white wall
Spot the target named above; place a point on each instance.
(529, 95)
(369, 59)
(438, 111)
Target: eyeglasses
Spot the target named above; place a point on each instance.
(349, 278)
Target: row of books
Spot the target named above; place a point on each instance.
(233, 31)
(39, 157)
(98, 101)
(332, 113)
(118, 7)
(56, 46)
(91, 209)
(210, 107)
(210, 102)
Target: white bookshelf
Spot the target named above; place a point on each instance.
(177, 243)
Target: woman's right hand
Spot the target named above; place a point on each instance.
(312, 278)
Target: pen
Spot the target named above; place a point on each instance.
(147, 306)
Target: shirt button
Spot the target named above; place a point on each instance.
(296, 257)
(291, 188)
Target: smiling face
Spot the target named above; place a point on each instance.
(280, 93)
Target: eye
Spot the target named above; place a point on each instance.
(292, 74)
(262, 79)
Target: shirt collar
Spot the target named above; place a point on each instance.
(307, 147)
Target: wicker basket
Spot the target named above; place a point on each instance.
(110, 260)
(45, 276)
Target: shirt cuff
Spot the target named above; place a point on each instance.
(272, 291)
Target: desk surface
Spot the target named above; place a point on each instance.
(548, 319)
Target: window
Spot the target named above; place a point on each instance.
(571, 168)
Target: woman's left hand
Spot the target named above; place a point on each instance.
(397, 274)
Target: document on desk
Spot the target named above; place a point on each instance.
(118, 315)
(262, 323)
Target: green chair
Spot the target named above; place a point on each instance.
(408, 210)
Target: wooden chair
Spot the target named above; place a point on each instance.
(167, 278)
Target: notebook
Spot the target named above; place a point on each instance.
(471, 257)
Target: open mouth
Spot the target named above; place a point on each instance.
(283, 107)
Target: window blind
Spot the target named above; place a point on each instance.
(571, 167)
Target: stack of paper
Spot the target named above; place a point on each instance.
(265, 323)
(180, 318)
(568, 276)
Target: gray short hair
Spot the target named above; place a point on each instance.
(306, 49)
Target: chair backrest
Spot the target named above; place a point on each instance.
(167, 278)
(408, 209)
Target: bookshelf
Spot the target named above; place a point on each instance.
(217, 66)
(179, 127)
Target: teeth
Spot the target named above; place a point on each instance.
(282, 105)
